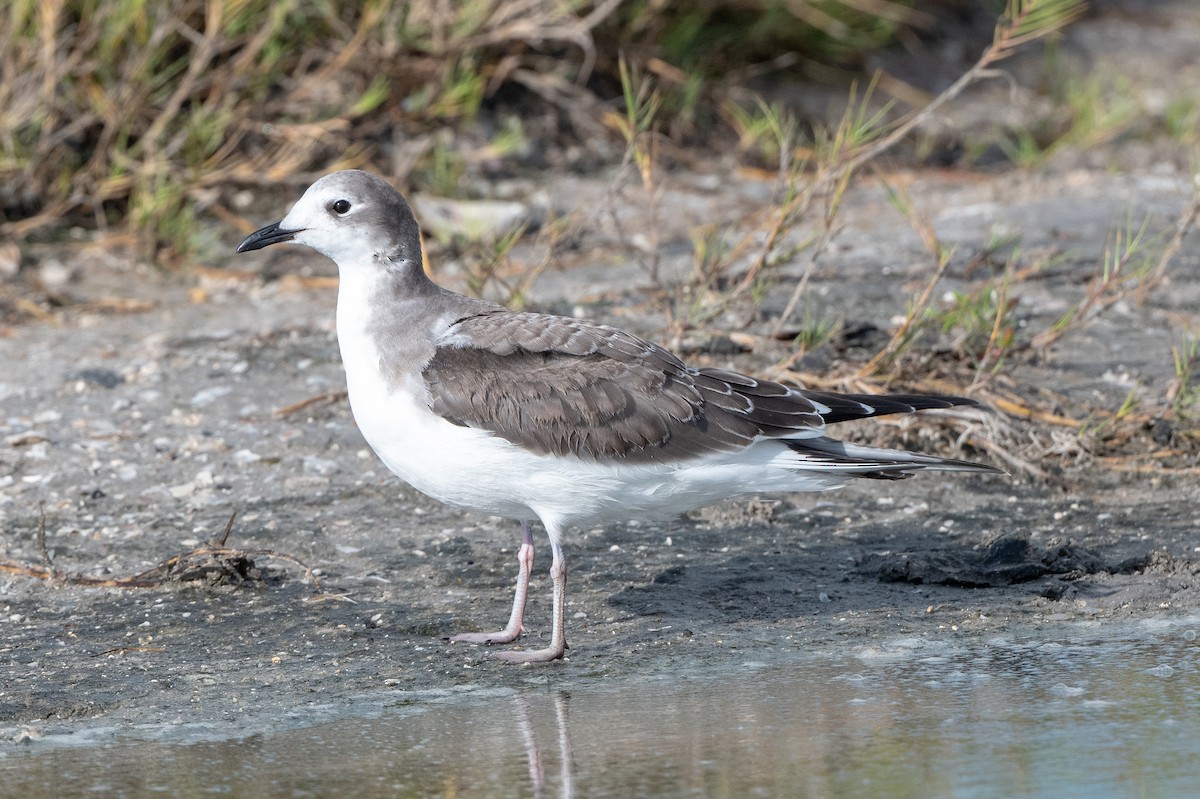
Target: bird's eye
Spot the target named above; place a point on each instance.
(340, 207)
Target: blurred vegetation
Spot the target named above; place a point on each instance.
(129, 113)
(707, 37)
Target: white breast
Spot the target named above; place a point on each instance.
(457, 465)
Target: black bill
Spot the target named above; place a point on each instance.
(265, 237)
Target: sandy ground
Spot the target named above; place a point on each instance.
(142, 425)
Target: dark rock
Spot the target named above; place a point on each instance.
(97, 376)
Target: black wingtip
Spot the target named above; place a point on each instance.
(844, 407)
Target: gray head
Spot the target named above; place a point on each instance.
(353, 217)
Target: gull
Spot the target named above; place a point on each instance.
(570, 422)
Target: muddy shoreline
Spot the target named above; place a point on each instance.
(142, 410)
(141, 433)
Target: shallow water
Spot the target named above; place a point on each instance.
(1088, 711)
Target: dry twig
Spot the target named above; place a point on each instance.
(204, 562)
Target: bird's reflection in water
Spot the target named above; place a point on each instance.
(525, 702)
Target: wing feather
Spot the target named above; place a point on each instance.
(561, 386)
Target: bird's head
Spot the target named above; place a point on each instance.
(353, 217)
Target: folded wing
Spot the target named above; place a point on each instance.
(561, 386)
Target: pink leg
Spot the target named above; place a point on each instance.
(514, 629)
(558, 639)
